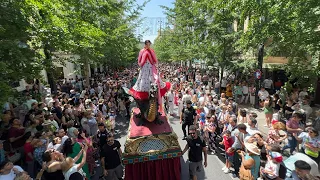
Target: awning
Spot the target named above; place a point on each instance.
(272, 61)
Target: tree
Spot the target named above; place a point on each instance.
(202, 30)
(20, 58)
(32, 33)
(289, 28)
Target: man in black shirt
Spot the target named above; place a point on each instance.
(102, 135)
(111, 159)
(195, 145)
(187, 118)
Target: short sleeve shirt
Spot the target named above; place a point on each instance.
(111, 155)
(11, 175)
(315, 142)
(292, 124)
(195, 149)
(188, 114)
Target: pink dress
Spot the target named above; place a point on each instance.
(148, 74)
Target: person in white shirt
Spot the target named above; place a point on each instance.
(263, 94)
(303, 94)
(201, 99)
(223, 84)
(268, 84)
(186, 97)
(63, 136)
(8, 171)
(69, 167)
(271, 170)
(170, 97)
(245, 92)
(217, 86)
(251, 126)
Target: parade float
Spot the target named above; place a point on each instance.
(151, 149)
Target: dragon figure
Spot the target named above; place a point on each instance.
(149, 108)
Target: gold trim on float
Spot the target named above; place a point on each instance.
(132, 146)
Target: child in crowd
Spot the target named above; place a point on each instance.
(271, 169)
(276, 115)
(122, 107)
(202, 123)
(227, 142)
(112, 119)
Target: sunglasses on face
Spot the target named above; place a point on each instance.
(192, 133)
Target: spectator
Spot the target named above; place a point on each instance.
(71, 148)
(8, 171)
(268, 111)
(302, 171)
(227, 142)
(271, 170)
(70, 167)
(252, 126)
(310, 143)
(251, 159)
(293, 127)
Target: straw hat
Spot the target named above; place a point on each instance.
(101, 101)
(252, 148)
(87, 101)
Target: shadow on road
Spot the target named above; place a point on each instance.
(122, 126)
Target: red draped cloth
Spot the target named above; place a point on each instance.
(166, 169)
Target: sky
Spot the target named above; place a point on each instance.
(153, 9)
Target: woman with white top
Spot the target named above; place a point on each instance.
(245, 92)
(69, 167)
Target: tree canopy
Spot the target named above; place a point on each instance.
(227, 33)
(33, 31)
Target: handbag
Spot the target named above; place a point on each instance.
(245, 174)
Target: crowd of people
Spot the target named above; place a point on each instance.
(215, 108)
(70, 134)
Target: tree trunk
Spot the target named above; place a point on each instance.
(258, 81)
(221, 73)
(86, 73)
(49, 69)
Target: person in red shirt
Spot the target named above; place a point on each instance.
(227, 142)
(28, 153)
(17, 135)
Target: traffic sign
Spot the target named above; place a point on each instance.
(257, 74)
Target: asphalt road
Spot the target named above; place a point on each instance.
(215, 162)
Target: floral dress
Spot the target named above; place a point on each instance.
(211, 136)
(147, 75)
(273, 135)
